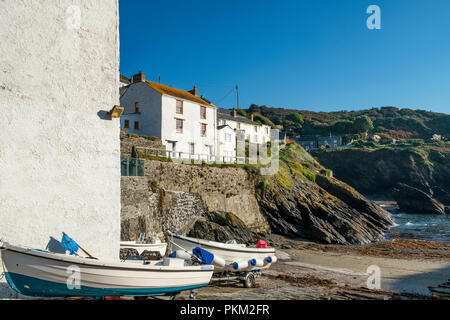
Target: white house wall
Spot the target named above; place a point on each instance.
(149, 107)
(226, 149)
(191, 126)
(59, 154)
(262, 135)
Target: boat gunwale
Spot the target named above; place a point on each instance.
(205, 243)
(97, 263)
(134, 244)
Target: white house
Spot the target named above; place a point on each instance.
(252, 130)
(226, 143)
(59, 152)
(185, 122)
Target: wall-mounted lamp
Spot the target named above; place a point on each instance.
(115, 112)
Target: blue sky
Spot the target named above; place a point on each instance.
(300, 54)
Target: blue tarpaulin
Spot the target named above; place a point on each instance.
(205, 256)
(69, 244)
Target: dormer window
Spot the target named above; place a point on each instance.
(179, 107)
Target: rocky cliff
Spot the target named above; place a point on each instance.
(379, 171)
(302, 201)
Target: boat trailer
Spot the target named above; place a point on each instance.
(248, 278)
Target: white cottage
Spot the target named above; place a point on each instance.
(226, 143)
(59, 152)
(185, 122)
(252, 130)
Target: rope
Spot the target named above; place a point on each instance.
(191, 254)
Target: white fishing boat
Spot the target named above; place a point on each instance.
(40, 273)
(227, 256)
(141, 247)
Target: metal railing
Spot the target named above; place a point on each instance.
(130, 167)
(190, 157)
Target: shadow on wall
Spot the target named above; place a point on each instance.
(103, 115)
(55, 246)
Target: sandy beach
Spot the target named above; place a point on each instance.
(313, 271)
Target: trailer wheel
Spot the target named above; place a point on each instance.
(176, 296)
(249, 281)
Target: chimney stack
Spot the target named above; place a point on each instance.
(194, 91)
(139, 77)
(234, 113)
(251, 117)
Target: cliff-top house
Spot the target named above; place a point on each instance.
(190, 126)
(314, 143)
(251, 130)
(184, 121)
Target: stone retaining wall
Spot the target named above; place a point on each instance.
(173, 196)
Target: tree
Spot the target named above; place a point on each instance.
(296, 118)
(343, 127)
(241, 112)
(362, 124)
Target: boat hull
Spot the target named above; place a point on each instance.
(34, 273)
(229, 252)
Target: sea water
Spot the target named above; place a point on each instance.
(432, 227)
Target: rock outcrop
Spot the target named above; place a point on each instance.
(413, 200)
(378, 171)
(223, 226)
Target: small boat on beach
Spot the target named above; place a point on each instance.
(141, 247)
(227, 256)
(34, 272)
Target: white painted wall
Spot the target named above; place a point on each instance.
(158, 118)
(226, 148)
(59, 160)
(260, 136)
(149, 107)
(191, 126)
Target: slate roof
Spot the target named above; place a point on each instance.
(122, 90)
(223, 126)
(226, 114)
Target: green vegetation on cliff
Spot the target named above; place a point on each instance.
(303, 200)
(389, 122)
